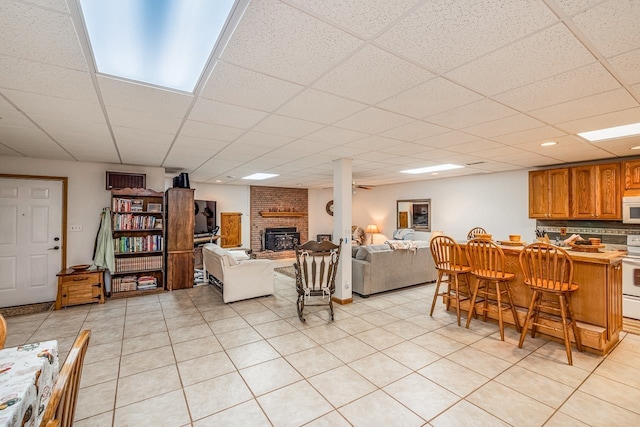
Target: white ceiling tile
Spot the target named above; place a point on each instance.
(504, 126)
(628, 66)
(281, 41)
(447, 139)
(142, 120)
(526, 158)
(187, 158)
(365, 21)
(190, 142)
(414, 131)
(142, 153)
(372, 75)
(305, 146)
(15, 118)
(209, 131)
(58, 5)
(39, 35)
(286, 126)
(142, 135)
(612, 26)
(636, 88)
(582, 155)
(567, 142)
(57, 107)
(139, 97)
(373, 120)
(263, 139)
(31, 142)
(239, 86)
(444, 34)
(247, 151)
(376, 156)
(537, 134)
(404, 149)
(478, 112)
(617, 118)
(102, 154)
(601, 103)
(320, 107)
(571, 7)
(544, 54)
(55, 124)
(574, 84)
(341, 151)
(225, 114)
(499, 151)
(374, 142)
(474, 146)
(334, 136)
(37, 77)
(429, 98)
(96, 140)
(6, 151)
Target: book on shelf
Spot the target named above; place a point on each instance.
(133, 244)
(124, 265)
(154, 207)
(137, 205)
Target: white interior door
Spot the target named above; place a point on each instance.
(30, 240)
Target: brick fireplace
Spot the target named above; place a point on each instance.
(277, 207)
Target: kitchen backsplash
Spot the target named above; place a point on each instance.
(612, 233)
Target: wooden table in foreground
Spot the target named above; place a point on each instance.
(597, 305)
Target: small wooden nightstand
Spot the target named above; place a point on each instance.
(80, 287)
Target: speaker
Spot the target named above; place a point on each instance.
(176, 182)
(184, 180)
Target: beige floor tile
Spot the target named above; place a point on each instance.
(427, 322)
(184, 321)
(313, 361)
(332, 419)
(509, 405)
(106, 315)
(353, 325)
(145, 308)
(95, 400)
(378, 318)
(291, 343)
(536, 386)
(378, 302)
(55, 333)
(625, 374)
(143, 328)
(459, 333)
(247, 307)
(404, 329)
(189, 333)
(563, 420)
(479, 361)
(325, 334)
(378, 409)
(512, 336)
(269, 376)
(261, 317)
(142, 300)
(168, 410)
(464, 413)
(151, 341)
(172, 313)
(438, 343)
(186, 350)
(102, 324)
(145, 385)
(274, 329)
(107, 335)
(454, 377)
(624, 357)
(597, 412)
(380, 369)
(401, 311)
(238, 337)
(100, 372)
(358, 309)
(349, 349)
(97, 353)
(252, 354)
(612, 392)
(228, 324)
(411, 355)
(244, 414)
(22, 328)
(144, 317)
(294, 405)
(341, 385)
(558, 371)
(630, 343)
(205, 367)
(424, 397)
(147, 360)
(219, 314)
(501, 349)
(208, 397)
(38, 318)
(379, 338)
(583, 360)
(101, 420)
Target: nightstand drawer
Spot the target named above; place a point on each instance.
(81, 279)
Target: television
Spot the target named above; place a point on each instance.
(205, 214)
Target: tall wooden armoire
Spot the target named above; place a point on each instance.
(179, 238)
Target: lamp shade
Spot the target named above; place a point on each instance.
(372, 228)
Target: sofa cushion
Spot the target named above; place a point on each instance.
(239, 255)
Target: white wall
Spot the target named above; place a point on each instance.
(86, 194)
(498, 202)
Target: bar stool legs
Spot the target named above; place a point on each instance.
(484, 289)
(452, 279)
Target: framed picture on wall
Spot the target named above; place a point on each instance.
(323, 237)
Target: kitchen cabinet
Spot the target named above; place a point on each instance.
(596, 192)
(549, 194)
(632, 175)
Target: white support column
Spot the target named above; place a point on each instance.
(342, 193)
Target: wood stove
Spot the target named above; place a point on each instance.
(281, 238)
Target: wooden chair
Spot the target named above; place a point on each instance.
(448, 258)
(476, 230)
(487, 265)
(62, 406)
(316, 267)
(3, 331)
(548, 270)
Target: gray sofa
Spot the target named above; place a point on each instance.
(378, 268)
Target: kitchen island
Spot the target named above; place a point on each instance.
(597, 305)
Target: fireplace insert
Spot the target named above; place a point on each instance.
(281, 238)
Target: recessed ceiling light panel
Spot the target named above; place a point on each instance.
(548, 144)
(260, 176)
(437, 168)
(611, 133)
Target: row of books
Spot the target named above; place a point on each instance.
(136, 222)
(127, 245)
(124, 265)
(134, 205)
(132, 283)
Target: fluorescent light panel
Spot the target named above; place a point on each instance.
(444, 167)
(260, 176)
(162, 42)
(611, 133)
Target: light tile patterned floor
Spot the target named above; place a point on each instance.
(187, 359)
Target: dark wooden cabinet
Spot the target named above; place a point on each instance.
(596, 192)
(179, 235)
(549, 194)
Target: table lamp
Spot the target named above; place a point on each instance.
(372, 229)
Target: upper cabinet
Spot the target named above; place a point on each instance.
(549, 194)
(596, 192)
(632, 175)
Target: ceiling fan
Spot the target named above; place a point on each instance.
(355, 186)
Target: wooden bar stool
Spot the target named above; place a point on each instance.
(487, 265)
(448, 258)
(548, 270)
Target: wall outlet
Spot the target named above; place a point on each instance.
(563, 231)
(75, 228)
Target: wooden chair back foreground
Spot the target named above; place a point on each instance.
(476, 230)
(486, 259)
(447, 254)
(3, 331)
(62, 405)
(316, 267)
(547, 267)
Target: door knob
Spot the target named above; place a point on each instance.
(55, 248)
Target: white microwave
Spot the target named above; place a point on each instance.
(631, 210)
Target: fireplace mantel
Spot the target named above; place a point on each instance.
(267, 214)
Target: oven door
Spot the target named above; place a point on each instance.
(631, 276)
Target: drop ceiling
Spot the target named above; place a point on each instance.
(297, 84)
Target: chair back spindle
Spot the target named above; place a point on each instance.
(546, 266)
(485, 258)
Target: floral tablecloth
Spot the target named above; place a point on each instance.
(27, 375)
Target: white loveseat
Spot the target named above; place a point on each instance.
(240, 279)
